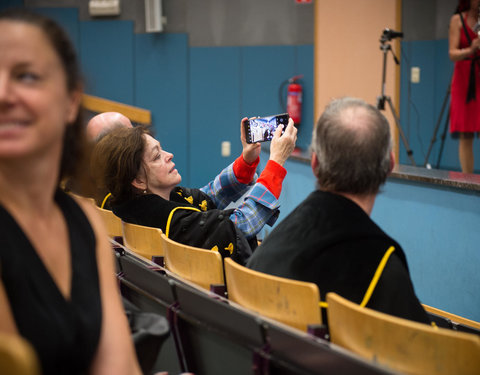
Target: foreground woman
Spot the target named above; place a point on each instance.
(57, 283)
(142, 180)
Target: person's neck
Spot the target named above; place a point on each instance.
(164, 193)
(29, 185)
(365, 202)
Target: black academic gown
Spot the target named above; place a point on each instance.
(329, 240)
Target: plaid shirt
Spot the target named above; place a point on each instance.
(258, 208)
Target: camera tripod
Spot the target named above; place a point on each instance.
(385, 47)
(437, 126)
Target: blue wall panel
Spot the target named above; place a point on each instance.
(304, 66)
(448, 157)
(68, 19)
(246, 82)
(161, 68)
(438, 230)
(214, 110)
(421, 105)
(417, 101)
(106, 49)
(263, 71)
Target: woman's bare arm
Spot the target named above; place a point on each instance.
(454, 51)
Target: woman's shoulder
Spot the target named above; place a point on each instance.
(455, 19)
(88, 208)
(87, 205)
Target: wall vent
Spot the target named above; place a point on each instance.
(104, 7)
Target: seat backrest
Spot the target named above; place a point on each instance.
(456, 319)
(112, 222)
(143, 240)
(400, 344)
(200, 266)
(17, 356)
(292, 302)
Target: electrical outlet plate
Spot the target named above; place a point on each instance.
(226, 149)
(415, 74)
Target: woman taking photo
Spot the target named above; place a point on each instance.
(57, 283)
(143, 183)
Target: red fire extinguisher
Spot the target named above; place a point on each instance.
(294, 99)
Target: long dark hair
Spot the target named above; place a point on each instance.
(463, 6)
(74, 144)
(116, 162)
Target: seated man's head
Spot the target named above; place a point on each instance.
(102, 123)
(351, 148)
(130, 162)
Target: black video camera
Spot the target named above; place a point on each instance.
(388, 35)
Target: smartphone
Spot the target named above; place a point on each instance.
(261, 129)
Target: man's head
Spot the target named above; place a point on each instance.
(101, 124)
(351, 147)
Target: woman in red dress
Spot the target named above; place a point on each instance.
(464, 47)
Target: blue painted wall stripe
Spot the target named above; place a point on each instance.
(421, 104)
(215, 115)
(161, 86)
(106, 50)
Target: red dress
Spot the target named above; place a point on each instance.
(465, 117)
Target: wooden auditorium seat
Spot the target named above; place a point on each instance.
(200, 266)
(400, 344)
(112, 222)
(143, 240)
(17, 356)
(295, 303)
(460, 323)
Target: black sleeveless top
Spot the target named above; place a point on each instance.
(64, 333)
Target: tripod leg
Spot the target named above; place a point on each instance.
(400, 130)
(444, 135)
(434, 135)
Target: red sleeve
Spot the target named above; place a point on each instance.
(243, 171)
(272, 177)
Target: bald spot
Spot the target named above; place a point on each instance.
(105, 122)
(356, 119)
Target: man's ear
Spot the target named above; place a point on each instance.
(139, 183)
(314, 163)
(392, 161)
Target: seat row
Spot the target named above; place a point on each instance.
(212, 335)
(396, 343)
